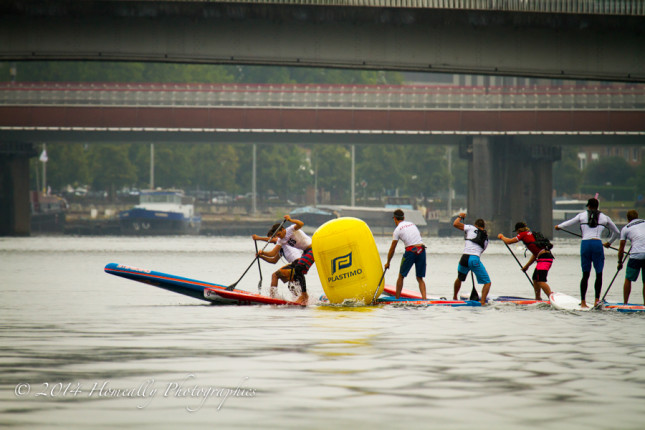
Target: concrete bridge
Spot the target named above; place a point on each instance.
(510, 134)
(565, 39)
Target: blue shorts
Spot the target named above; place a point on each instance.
(472, 262)
(634, 267)
(592, 252)
(412, 258)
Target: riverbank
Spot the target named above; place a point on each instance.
(235, 220)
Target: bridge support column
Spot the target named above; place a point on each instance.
(15, 212)
(509, 181)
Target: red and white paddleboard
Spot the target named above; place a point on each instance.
(408, 294)
(242, 297)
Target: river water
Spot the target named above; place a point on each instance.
(84, 349)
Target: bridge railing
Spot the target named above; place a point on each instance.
(311, 96)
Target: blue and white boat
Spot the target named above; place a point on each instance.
(161, 212)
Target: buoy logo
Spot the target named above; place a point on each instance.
(341, 262)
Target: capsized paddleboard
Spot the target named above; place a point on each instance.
(565, 302)
(242, 297)
(176, 284)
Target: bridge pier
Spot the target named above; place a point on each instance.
(15, 212)
(509, 181)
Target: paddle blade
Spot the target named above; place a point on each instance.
(474, 295)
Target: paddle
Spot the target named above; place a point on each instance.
(474, 295)
(378, 286)
(579, 235)
(259, 268)
(518, 262)
(232, 286)
(597, 306)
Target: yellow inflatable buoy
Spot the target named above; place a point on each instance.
(348, 262)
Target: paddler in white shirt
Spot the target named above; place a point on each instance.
(295, 237)
(592, 224)
(415, 252)
(284, 273)
(634, 231)
(476, 243)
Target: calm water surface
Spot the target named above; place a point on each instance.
(83, 349)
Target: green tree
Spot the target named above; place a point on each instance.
(378, 166)
(566, 174)
(427, 170)
(67, 165)
(609, 171)
(214, 166)
(333, 166)
(111, 167)
(173, 168)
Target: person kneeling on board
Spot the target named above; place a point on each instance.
(286, 272)
(415, 252)
(634, 231)
(476, 243)
(295, 237)
(540, 251)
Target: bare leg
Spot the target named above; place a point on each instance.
(644, 291)
(544, 287)
(422, 287)
(627, 290)
(536, 289)
(457, 287)
(399, 286)
(485, 290)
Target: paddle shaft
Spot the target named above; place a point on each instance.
(232, 286)
(518, 262)
(259, 268)
(579, 235)
(378, 286)
(614, 278)
(474, 295)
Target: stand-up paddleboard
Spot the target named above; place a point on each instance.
(519, 300)
(389, 289)
(192, 287)
(501, 299)
(623, 307)
(242, 297)
(176, 284)
(405, 301)
(565, 302)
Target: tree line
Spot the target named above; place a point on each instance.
(283, 170)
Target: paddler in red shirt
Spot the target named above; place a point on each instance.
(540, 251)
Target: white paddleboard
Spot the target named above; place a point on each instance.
(567, 303)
